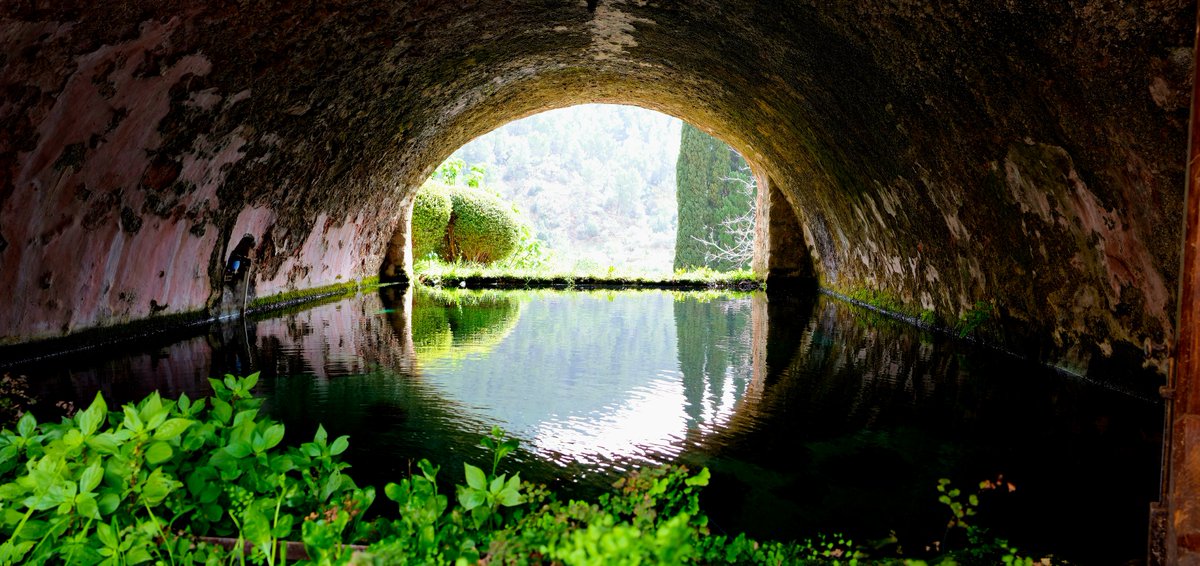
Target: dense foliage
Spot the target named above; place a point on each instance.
(712, 193)
(430, 218)
(154, 481)
(596, 181)
(455, 218)
(482, 228)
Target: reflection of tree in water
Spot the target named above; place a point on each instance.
(714, 352)
(454, 323)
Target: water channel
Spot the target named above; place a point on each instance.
(813, 415)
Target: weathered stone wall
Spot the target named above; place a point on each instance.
(1025, 154)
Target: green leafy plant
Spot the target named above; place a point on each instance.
(974, 317)
(484, 494)
(153, 480)
(142, 482)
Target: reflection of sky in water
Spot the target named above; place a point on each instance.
(594, 378)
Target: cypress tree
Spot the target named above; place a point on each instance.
(707, 195)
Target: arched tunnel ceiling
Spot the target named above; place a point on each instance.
(1025, 154)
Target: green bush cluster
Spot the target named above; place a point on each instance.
(463, 223)
(482, 228)
(148, 483)
(144, 483)
(430, 218)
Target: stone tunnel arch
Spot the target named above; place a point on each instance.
(1017, 161)
(143, 137)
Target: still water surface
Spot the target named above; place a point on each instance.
(814, 416)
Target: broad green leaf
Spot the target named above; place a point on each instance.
(73, 439)
(158, 452)
(243, 417)
(281, 464)
(212, 491)
(151, 406)
(497, 484)
(221, 411)
(157, 419)
(471, 498)
(514, 483)
(332, 484)
(137, 555)
(238, 449)
(104, 443)
(339, 445)
(172, 428)
(213, 512)
(108, 503)
(107, 535)
(93, 417)
(475, 477)
(283, 527)
(321, 437)
(273, 436)
(250, 381)
(26, 425)
(255, 527)
(90, 478)
(86, 504)
(396, 492)
(509, 497)
(156, 487)
(132, 420)
(11, 491)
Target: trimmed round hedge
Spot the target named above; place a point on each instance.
(463, 223)
(430, 218)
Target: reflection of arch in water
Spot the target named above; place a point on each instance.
(453, 324)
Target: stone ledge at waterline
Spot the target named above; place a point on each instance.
(164, 327)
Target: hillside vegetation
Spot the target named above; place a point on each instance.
(596, 181)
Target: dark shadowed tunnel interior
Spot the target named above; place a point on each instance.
(1023, 159)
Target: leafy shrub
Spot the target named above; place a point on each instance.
(430, 218)
(482, 228)
(463, 223)
(145, 483)
(138, 484)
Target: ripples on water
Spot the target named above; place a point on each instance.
(814, 416)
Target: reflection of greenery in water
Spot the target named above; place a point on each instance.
(714, 351)
(572, 355)
(456, 323)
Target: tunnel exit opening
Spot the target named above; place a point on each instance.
(608, 187)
